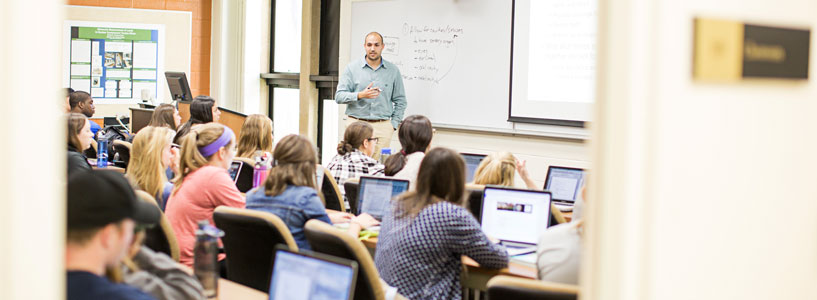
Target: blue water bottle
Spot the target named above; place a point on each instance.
(101, 153)
(205, 257)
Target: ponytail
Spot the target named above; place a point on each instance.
(344, 147)
(190, 157)
(395, 163)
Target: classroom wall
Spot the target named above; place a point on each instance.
(700, 190)
(32, 177)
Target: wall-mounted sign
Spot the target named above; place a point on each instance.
(729, 51)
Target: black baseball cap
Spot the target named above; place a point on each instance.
(100, 197)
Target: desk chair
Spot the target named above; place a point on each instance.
(331, 191)
(509, 287)
(122, 150)
(352, 188)
(244, 181)
(249, 240)
(326, 239)
(160, 238)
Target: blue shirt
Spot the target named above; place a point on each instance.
(295, 206)
(82, 285)
(95, 127)
(389, 105)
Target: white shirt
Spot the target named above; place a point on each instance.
(412, 167)
(558, 254)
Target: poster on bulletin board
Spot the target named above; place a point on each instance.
(116, 63)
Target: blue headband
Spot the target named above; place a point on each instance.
(222, 141)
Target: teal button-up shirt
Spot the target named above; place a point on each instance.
(389, 105)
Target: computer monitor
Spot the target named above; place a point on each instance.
(235, 169)
(179, 88)
(376, 193)
(515, 215)
(471, 163)
(308, 275)
(564, 183)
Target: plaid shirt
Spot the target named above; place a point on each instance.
(421, 256)
(352, 165)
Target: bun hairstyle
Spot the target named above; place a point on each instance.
(201, 112)
(163, 116)
(354, 136)
(295, 159)
(191, 158)
(256, 134)
(498, 169)
(415, 135)
(441, 178)
(75, 124)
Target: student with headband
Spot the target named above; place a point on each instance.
(203, 184)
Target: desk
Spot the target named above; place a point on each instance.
(476, 277)
(228, 290)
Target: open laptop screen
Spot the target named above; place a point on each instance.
(306, 275)
(471, 163)
(564, 183)
(515, 215)
(235, 168)
(376, 194)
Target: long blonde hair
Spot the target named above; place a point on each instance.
(145, 166)
(498, 169)
(295, 159)
(191, 159)
(256, 134)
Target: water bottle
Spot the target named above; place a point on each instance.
(205, 257)
(101, 153)
(261, 168)
(384, 155)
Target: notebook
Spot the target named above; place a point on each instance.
(308, 275)
(516, 217)
(564, 184)
(376, 193)
(471, 163)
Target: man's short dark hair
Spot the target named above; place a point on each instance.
(377, 33)
(76, 97)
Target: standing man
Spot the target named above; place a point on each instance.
(373, 92)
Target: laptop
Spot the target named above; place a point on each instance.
(517, 217)
(304, 275)
(564, 183)
(376, 193)
(235, 169)
(471, 163)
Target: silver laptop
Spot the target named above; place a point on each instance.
(516, 217)
(306, 275)
(376, 193)
(564, 183)
(472, 161)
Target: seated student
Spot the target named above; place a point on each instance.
(151, 155)
(102, 212)
(256, 135)
(415, 135)
(203, 109)
(156, 273)
(202, 185)
(289, 191)
(354, 157)
(82, 103)
(558, 255)
(498, 169)
(79, 139)
(68, 92)
(427, 231)
(165, 115)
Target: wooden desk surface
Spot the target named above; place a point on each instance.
(514, 268)
(228, 290)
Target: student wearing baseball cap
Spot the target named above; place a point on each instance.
(102, 212)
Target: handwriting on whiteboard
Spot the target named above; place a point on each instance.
(425, 53)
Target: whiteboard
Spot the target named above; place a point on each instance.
(454, 56)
